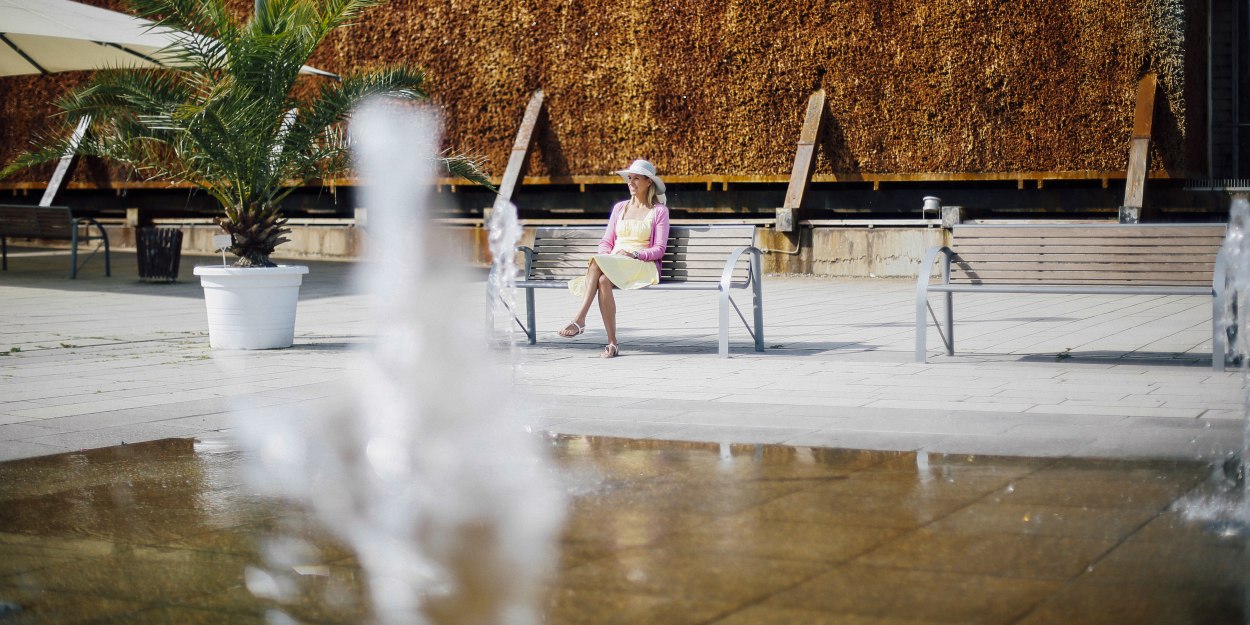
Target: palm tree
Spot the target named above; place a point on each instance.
(226, 115)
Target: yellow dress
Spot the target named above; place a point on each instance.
(625, 272)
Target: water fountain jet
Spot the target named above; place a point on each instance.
(422, 467)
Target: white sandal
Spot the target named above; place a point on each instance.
(610, 351)
(580, 329)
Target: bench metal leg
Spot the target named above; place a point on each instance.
(758, 303)
(724, 324)
(4, 253)
(73, 252)
(103, 238)
(946, 326)
(531, 330)
(922, 325)
(950, 324)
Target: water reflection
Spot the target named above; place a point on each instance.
(667, 531)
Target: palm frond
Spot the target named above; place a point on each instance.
(467, 167)
(210, 18)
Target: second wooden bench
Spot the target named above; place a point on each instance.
(50, 222)
(1138, 259)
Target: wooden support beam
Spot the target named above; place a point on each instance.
(804, 159)
(521, 148)
(1139, 149)
(66, 164)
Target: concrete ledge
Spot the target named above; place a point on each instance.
(833, 251)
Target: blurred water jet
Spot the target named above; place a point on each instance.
(422, 466)
(1227, 513)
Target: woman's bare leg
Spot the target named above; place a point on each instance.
(607, 308)
(592, 279)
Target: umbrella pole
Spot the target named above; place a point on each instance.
(67, 159)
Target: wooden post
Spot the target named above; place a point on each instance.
(521, 148)
(1139, 150)
(804, 158)
(66, 163)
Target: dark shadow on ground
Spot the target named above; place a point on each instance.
(813, 348)
(912, 324)
(327, 346)
(1099, 357)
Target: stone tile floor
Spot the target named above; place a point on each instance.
(667, 533)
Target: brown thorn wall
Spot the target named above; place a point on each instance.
(707, 87)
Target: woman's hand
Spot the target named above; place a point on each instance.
(626, 253)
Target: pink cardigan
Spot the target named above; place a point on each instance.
(659, 233)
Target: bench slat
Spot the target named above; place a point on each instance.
(676, 230)
(992, 257)
(1094, 242)
(1046, 266)
(1168, 250)
(694, 254)
(1072, 276)
(714, 253)
(1091, 230)
(564, 246)
(573, 268)
(709, 265)
(715, 257)
(1074, 289)
(39, 222)
(678, 275)
(673, 241)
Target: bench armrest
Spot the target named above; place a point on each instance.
(726, 276)
(529, 260)
(74, 221)
(926, 266)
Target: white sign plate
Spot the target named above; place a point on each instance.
(222, 241)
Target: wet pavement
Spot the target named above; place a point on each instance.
(658, 532)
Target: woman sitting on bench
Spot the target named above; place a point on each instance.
(629, 252)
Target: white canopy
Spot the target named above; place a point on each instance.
(44, 36)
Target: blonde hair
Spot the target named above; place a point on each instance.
(651, 194)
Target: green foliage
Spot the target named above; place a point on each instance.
(225, 115)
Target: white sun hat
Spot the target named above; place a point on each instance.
(644, 168)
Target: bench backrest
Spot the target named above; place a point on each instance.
(1094, 254)
(24, 220)
(694, 253)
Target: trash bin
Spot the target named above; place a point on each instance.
(159, 250)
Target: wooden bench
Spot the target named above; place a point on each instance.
(51, 222)
(1139, 259)
(716, 259)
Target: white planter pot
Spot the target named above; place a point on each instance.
(251, 307)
